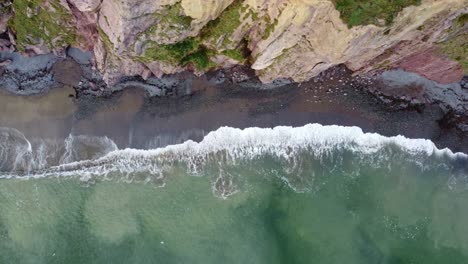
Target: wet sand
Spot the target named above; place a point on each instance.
(132, 119)
(46, 115)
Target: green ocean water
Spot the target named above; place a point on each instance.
(336, 204)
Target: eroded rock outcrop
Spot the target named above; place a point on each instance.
(302, 47)
(295, 39)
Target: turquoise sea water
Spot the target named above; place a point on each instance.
(313, 194)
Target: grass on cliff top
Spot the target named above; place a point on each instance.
(32, 22)
(365, 12)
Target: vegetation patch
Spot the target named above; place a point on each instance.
(240, 53)
(270, 27)
(365, 12)
(105, 39)
(225, 24)
(174, 15)
(170, 19)
(457, 49)
(173, 53)
(192, 50)
(200, 59)
(33, 22)
(182, 53)
(462, 20)
(236, 54)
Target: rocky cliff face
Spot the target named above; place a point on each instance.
(294, 39)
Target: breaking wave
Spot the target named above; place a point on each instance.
(294, 154)
(22, 156)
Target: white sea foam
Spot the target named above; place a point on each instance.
(254, 141)
(248, 144)
(21, 155)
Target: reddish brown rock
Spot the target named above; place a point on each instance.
(86, 28)
(433, 66)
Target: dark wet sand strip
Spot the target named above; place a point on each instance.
(132, 119)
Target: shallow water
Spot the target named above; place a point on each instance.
(312, 194)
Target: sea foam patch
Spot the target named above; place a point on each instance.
(232, 145)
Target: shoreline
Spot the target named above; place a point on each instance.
(183, 106)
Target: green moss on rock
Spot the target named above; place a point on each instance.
(235, 54)
(33, 22)
(240, 53)
(173, 53)
(105, 39)
(364, 12)
(194, 50)
(225, 24)
(171, 18)
(462, 20)
(270, 27)
(197, 50)
(174, 15)
(189, 51)
(200, 59)
(457, 49)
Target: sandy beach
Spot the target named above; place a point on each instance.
(132, 118)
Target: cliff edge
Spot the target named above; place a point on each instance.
(295, 39)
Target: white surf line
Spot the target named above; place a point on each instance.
(282, 141)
